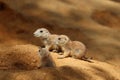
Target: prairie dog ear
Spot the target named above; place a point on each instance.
(65, 37)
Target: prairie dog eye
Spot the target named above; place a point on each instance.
(41, 31)
(39, 50)
(59, 38)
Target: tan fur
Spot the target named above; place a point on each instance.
(75, 49)
(47, 38)
(45, 58)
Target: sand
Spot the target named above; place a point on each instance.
(19, 57)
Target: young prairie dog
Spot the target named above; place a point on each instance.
(45, 58)
(47, 38)
(74, 49)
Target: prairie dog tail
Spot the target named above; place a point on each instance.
(87, 59)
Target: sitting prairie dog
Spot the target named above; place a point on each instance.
(45, 58)
(47, 38)
(74, 49)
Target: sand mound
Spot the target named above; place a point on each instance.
(19, 57)
(67, 69)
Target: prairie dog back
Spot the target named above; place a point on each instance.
(51, 39)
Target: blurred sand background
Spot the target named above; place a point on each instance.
(93, 22)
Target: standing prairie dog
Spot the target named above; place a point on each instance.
(46, 37)
(74, 49)
(45, 58)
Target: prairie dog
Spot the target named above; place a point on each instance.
(74, 49)
(45, 58)
(46, 37)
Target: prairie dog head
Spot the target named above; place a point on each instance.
(41, 32)
(62, 40)
(43, 52)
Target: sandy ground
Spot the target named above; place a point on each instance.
(98, 28)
